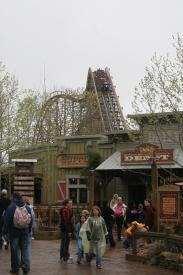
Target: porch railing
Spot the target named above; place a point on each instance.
(169, 239)
(49, 216)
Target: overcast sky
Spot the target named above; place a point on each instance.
(66, 37)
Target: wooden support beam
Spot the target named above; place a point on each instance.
(91, 188)
(154, 184)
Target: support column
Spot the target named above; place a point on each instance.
(154, 184)
(91, 188)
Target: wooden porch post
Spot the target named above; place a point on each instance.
(154, 184)
(91, 188)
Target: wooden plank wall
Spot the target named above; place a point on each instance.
(46, 167)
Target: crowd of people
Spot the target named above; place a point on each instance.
(92, 231)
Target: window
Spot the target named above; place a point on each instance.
(83, 195)
(83, 181)
(77, 189)
(73, 181)
(73, 194)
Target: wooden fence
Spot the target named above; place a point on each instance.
(166, 237)
(49, 216)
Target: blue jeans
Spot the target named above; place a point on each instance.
(20, 252)
(80, 247)
(89, 256)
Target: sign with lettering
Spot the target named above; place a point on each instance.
(169, 202)
(24, 176)
(145, 153)
(24, 168)
(168, 205)
(72, 161)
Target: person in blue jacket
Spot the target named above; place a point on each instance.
(18, 227)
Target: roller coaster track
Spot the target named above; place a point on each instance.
(93, 111)
(110, 111)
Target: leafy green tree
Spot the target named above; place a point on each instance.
(94, 159)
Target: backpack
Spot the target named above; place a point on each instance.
(21, 218)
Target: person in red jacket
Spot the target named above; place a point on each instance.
(67, 228)
(149, 213)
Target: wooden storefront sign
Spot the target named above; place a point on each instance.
(72, 161)
(169, 203)
(23, 168)
(144, 154)
(24, 179)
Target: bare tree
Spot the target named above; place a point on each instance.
(160, 94)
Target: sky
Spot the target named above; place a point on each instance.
(53, 43)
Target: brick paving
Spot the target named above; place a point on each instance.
(45, 261)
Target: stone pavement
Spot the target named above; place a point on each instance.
(45, 261)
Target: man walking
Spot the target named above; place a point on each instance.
(18, 223)
(4, 203)
(66, 225)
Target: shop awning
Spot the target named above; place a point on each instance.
(114, 163)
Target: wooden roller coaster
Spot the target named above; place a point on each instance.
(92, 111)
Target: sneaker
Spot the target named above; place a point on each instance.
(99, 266)
(78, 260)
(70, 260)
(14, 271)
(25, 271)
(63, 260)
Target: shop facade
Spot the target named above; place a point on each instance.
(62, 169)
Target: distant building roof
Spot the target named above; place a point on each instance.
(114, 162)
(162, 114)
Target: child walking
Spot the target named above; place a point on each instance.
(79, 238)
(96, 232)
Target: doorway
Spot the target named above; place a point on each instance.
(136, 193)
(37, 190)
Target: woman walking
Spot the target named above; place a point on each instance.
(96, 234)
(120, 212)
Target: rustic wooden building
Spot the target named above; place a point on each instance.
(63, 170)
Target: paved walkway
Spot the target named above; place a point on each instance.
(45, 261)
